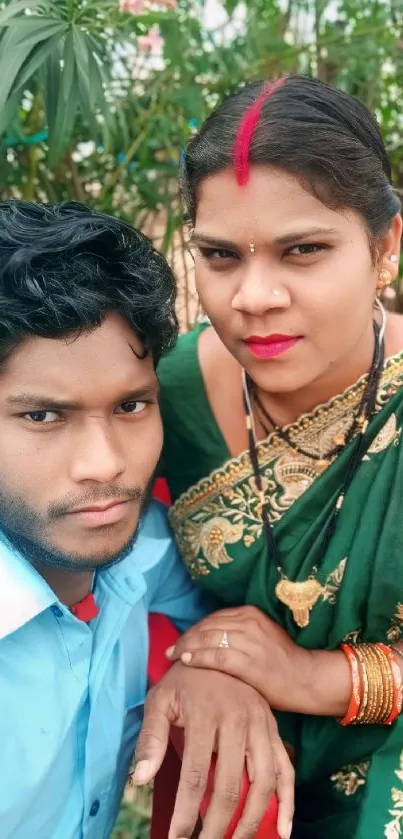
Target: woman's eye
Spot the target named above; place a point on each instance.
(42, 417)
(132, 407)
(216, 254)
(306, 250)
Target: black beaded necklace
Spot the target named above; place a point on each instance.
(300, 597)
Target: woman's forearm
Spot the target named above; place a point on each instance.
(323, 686)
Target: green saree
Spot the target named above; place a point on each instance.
(349, 780)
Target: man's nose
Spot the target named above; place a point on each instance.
(98, 455)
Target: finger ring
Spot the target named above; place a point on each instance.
(224, 641)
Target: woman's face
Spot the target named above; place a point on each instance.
(273, 263)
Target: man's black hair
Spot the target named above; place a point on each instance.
(64, 268)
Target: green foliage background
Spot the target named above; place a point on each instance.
(85, 115)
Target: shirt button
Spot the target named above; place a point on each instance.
(56, 611)
(94, 807)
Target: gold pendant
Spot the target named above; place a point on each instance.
(299, 597)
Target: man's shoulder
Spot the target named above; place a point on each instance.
(155, 524)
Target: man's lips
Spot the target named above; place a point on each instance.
(96, 515)
(99, 508)
(270, 346)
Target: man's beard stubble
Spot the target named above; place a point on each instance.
(26, 530)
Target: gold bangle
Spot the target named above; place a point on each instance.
(381, 703)
(388, 684)
(378, 685)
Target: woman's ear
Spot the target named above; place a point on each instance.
(389, 248)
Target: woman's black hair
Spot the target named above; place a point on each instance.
(325, 137)
(64, 268)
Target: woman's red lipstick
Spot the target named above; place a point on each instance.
(271, 346)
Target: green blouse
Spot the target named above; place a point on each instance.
(194, 445)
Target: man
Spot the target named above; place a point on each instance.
(86, 310)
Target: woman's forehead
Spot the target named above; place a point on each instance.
(273, 203)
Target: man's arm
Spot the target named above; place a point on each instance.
(219, 714)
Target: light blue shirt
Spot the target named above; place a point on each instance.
(72, 694)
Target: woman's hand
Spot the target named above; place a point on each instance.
(220, 715)
(260, 653)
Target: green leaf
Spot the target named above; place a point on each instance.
(17, 8)
(80, 49)
(51, 84)
(96, 80)
(230, 6)
(31, 30)
(62, 127)
(16, 54)
(8, 112)
(11, 63)
(85, 92)
(69, 65)
(38, 56)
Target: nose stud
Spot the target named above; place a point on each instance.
(275, 292)
(252, 247)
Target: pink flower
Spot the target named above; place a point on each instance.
(134, 7)
(152, 42)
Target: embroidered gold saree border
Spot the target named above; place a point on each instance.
(309, 431)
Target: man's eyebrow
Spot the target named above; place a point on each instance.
(40, 400)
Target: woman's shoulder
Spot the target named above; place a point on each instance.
(181, 367)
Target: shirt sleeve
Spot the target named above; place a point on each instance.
(170, 590)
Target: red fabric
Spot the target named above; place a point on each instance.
(161, 491)
(86, 609)
(162, 635)
(165, 786)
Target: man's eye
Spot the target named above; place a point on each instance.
(42, 417)
(132, 407)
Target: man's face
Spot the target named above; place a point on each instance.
(80, 437)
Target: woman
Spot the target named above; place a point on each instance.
(283, 438)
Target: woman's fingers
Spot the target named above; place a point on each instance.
(212, 638)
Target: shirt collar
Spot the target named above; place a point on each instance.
(24, 594)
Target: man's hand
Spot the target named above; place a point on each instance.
(219, 714)
(260, 653)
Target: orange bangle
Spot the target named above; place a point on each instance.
(397, 684)
(357, 687)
